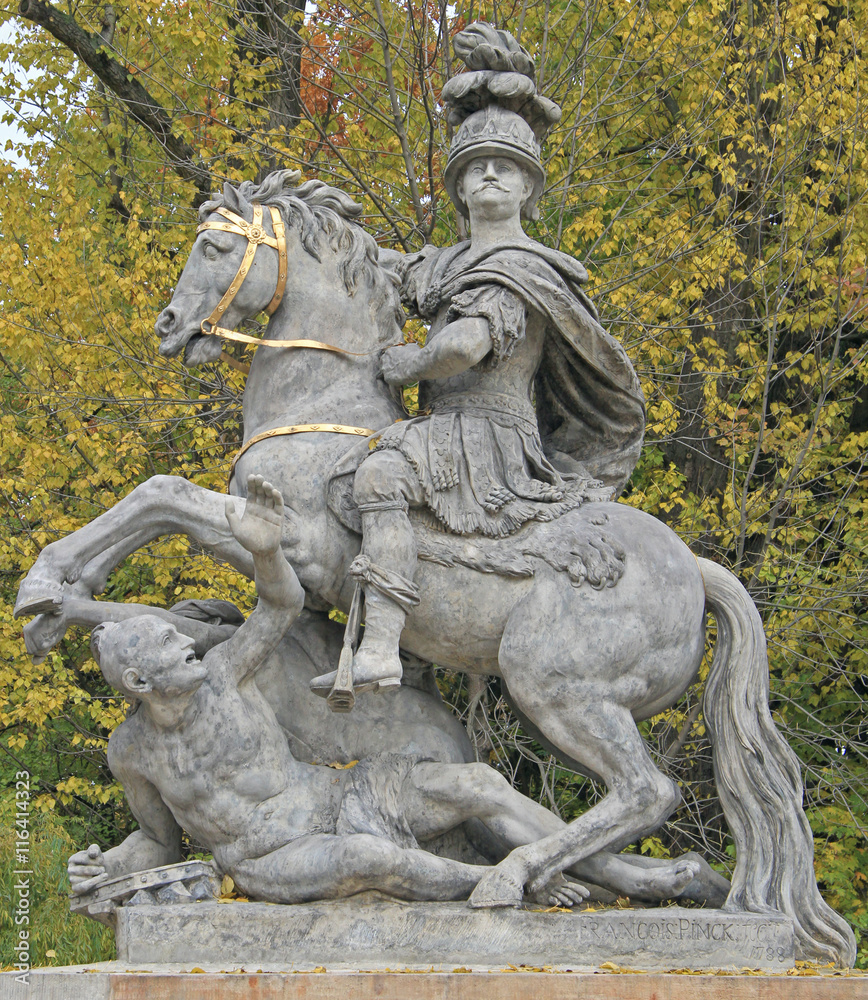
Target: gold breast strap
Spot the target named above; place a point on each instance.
(299, 429)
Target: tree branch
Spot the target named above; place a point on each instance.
(398, 118)
(142, 106)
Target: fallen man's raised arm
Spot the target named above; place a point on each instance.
(281, 597)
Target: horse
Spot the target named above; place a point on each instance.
(593, 622)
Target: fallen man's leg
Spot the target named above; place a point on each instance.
(325, 866)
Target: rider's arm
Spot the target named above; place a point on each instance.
(485, 321)
(458, 346)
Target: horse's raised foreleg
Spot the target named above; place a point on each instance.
(45, 631)
(81, 562)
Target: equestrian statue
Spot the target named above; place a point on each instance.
(482, 534)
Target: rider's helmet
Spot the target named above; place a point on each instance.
(496, 109)
(495, 131)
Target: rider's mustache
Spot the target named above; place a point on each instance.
(490, 182)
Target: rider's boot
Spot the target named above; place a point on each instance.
(377, 666)
(385, 569)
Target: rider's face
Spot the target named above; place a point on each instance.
(494, 188)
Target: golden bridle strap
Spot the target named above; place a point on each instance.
(256, 235)
(299, 429)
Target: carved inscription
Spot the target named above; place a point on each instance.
(380, 931)
(755, 941)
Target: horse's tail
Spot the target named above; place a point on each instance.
(759, 781)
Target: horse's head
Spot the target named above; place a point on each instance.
(225, 283)
(221, 263)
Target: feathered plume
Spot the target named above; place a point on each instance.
(501, 72)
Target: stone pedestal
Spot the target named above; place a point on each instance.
(115, 981)
(374, 932)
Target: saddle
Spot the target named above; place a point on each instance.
(577, 543)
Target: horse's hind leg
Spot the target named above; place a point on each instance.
(603, 736)
(84, 559)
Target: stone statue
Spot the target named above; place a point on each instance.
(509, 321)
(415, 718)
(591, 612)
(203, 752)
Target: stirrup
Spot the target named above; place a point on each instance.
(324, 683)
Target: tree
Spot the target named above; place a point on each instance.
(710, 168)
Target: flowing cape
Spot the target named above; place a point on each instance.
(589, 405)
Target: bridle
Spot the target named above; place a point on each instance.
(256, 236)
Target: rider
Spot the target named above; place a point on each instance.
(528, 407)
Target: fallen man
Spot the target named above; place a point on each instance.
(204, 753)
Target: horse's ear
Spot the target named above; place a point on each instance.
(245, 209)
(230, 197)
(234, 201)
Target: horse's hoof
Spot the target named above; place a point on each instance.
(37, 600)
(496, 889)
(38, 595)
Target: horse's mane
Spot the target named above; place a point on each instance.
(316, 210)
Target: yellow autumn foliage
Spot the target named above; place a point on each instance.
(710, 169)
